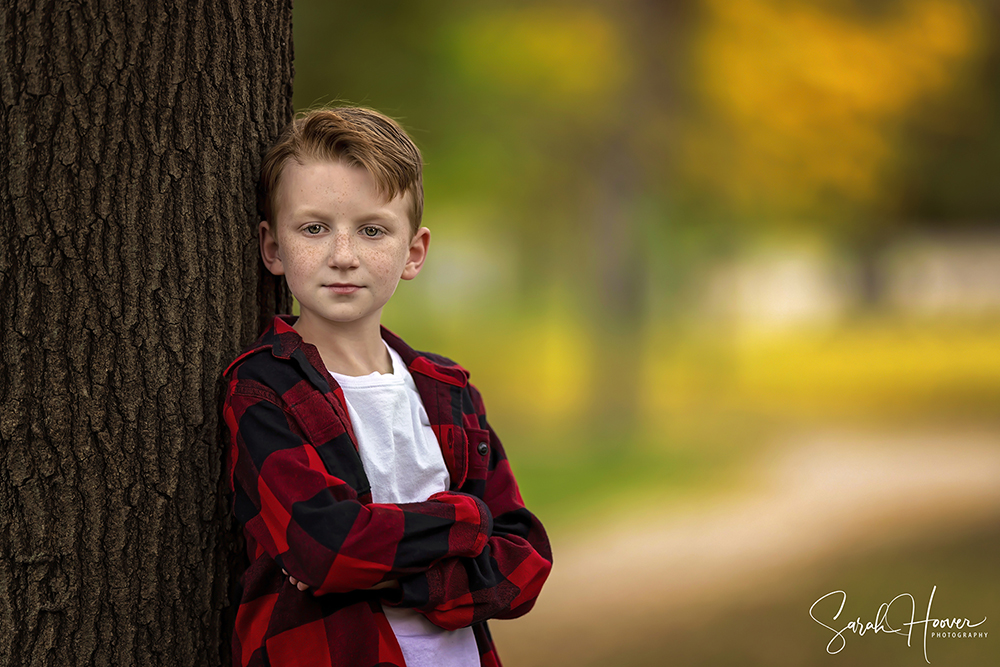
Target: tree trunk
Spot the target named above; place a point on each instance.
(129, 277)
(621, 264)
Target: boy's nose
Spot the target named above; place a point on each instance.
(343, 254)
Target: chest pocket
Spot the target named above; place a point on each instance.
(479, 452)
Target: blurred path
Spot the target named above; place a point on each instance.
(819, 496)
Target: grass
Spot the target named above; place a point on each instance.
(590, 476)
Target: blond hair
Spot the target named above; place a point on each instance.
(354, 136)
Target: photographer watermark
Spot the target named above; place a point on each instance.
(958, 628)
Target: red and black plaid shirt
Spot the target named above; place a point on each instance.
(465, 555)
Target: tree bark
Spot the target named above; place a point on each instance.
(129, 277)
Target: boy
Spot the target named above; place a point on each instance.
(382, 521)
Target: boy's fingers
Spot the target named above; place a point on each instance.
(293, 581)
(392, 583)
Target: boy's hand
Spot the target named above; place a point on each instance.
(294, 582)
(392, 583)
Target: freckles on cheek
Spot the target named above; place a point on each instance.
(303, 253)
(301, 261)
(380, 259)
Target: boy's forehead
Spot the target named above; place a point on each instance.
(312, 181)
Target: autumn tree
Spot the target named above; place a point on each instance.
(128, 278)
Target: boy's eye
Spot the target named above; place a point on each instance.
(314, 229)
(371, 232)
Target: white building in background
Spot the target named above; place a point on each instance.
(780, 288)
(784, 287)
(944, 275)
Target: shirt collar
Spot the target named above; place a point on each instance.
(282, 341)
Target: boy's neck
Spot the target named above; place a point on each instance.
(349, 350)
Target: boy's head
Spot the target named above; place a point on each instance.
(341, 192)
(356, 137)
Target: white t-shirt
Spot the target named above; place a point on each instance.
(403, 462)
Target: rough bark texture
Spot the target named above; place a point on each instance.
(129, 277)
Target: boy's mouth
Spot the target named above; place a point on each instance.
(343, 288)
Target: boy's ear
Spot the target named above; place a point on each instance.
(269, 250)
(418, 253)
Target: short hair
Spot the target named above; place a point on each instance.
(357, 137)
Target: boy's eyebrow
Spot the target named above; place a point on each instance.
(378, 215)
(381, 214)
(307, 212)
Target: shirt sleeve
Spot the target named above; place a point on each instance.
(505, 578)
(312, 523)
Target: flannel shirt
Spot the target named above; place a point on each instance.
(465, 555)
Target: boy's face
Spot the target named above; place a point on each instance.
(341, 247)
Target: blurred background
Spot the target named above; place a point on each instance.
(728, 276)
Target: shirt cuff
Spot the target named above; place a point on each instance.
(474, 536)
(485, 524)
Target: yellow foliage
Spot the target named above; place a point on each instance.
(538, 368)
(801, 101)
(871, 370)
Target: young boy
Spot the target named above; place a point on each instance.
(382, 521)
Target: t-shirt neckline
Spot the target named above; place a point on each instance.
(397, 376)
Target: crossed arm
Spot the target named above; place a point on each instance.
(302, 586)
(448, 557)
